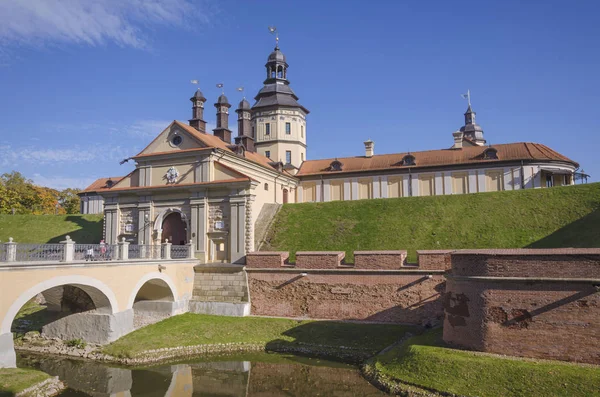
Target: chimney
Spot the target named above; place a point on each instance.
(458, 138)
(222, 131)
(369, 148)
(198, 111)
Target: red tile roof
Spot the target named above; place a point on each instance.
(430, 158)
(100, 184)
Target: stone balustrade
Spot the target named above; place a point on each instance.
(69, 251)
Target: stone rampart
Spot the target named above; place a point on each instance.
(532, 303)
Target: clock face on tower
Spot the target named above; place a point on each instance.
(201, 104)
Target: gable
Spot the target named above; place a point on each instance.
(173, 139)
(223, 173)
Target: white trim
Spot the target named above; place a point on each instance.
(51, 283)
(472, 182)
(481, 176)
(384, 187)
(151, 276)
(439, 184)
(447, 182)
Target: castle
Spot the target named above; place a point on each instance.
(189, 184)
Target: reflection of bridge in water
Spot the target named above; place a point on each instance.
(98, 300)
(279, 376)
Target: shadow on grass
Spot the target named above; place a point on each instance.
(583, 233)
(89, 232)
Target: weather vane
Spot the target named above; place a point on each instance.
(467, 96)
(273, 30)
(221, 85)
(241, 89)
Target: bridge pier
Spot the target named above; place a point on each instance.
(8, 358)
(91, 327)
(148, 312)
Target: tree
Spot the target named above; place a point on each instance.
(69, 200)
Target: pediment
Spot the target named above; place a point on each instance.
(173, 139)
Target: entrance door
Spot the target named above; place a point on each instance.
(174, 229)
(285, 196)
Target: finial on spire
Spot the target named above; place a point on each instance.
(195, 82)
(221, 85)
(273, 31)
(467, 96)
(241, 89)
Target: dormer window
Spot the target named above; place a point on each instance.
(409, 159)
(335, 165)
(109, 183)
(490, 154)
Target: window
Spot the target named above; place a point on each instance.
(288, 128)
(252, 131)
(301, 156)
(490, 154)
(409, 159)
(266, 186)
(268, 153)
(288, 157)
(176, 141)
(335, 165)
(302, 131)
(268, 129)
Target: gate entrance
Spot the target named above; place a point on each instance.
(174, 228)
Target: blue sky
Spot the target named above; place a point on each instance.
(85, 84)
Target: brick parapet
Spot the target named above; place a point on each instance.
(319, 259)
(379, 259)
(434, 259)
(547, 263)
(267, 259)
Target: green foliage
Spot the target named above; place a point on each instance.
(78, 343)
(539, 218)
(422, 361)
(195, 329)
(51, 228)
(19, 195)
(14, 380)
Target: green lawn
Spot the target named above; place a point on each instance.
(422, 361)
(41, 229)
(14, 380)
(538, 218)
(196, 329)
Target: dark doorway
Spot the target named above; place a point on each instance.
(285, 196)
(174, 229)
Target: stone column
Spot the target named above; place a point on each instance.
(166, 250)
(123, 250)
(68, 249)
(191, 250)
(11, 250)
(199, 227)
(237, 229)
(111, 221)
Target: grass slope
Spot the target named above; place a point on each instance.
(422, 362)
(196, 329)
(541, 218)
(14, 380)
(43, 229)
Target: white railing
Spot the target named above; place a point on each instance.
(38, 252)
(68, 251)
(95, 252)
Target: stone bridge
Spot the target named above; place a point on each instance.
(104, 299)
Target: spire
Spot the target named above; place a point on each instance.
(471, 130)
(222, 131)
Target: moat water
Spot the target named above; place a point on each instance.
(260, 374)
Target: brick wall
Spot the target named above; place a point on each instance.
(267, 259)
(319, 259)
(220, 283)
(397, 296)
(532, 303)
(379, 259)
(434, 259)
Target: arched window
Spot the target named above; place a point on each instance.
(335, 165)
(280, 72)
(490, 154)
(266, 186)
(409, 159)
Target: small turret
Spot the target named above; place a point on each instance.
(197, 121)
(244, 126)
(222, 131)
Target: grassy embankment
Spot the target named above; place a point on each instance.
(15, 380)
(423, 361)
(195, 329)
(42, 229)
(538, 218)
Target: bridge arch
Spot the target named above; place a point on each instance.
(168, 282)
(103, 297)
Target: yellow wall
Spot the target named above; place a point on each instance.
(395, 186)
(426, 185)
(460, 182)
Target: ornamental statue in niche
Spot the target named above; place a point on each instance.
(172, 175)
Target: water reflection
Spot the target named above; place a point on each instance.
(259, 375)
